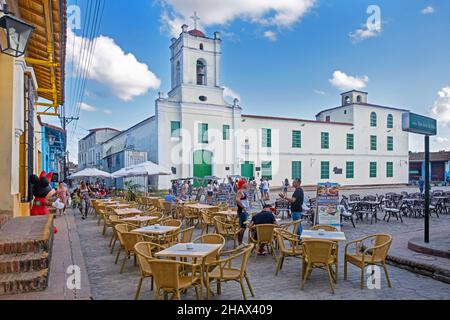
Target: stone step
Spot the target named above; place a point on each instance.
(15, 283)
(26, 262)
(23, 235)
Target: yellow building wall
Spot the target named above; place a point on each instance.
(9, 204)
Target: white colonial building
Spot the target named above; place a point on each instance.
(196, 133)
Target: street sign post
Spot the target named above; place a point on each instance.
(415, 123)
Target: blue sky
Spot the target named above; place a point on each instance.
(278, 56)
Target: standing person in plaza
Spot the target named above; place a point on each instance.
(62, 193)
(84, 194)
(190, 189)
(286, 187)
(243, 205)
(210, 192)
(266, 190)
(421, 186)
(296, 202)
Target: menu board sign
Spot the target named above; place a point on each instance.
(328, 205)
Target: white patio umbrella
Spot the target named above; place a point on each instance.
(91, 173)
(143, 169)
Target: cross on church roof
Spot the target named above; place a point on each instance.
(195, 18)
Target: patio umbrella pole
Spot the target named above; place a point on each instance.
(427, 189)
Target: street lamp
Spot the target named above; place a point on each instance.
(15, 34)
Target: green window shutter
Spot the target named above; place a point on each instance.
(373, 119)
(226, 132)
(373, 143)
(296, 139)
(350, 170)
(350, 141)
(266, 167)
(296, 170)
(325, 140)
(390, 169)
(267, 138)
(175, 127)
(325, 170)
(390, 121)
(390, 143)
(373, 170)
(203, 133)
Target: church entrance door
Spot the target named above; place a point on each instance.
(202, 163)
(247, 170)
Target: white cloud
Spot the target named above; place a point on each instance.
(229, 93)
(119, 71)
(343, 81)
(279, 13)
(441, 140)
(271, 35)
(427, 10)
(320, 92)
(88, 108)
(441, 107)
(364, 33)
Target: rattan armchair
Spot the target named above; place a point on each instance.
(291, 249)
(318, 254)
(171, 277)
(144, 252)
(324, 228)
(207, 221)
(223, 271)
(226, 229)
(368, 255)
(264, 237)
(191, 216)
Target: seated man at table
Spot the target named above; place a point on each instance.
(264, 217)
(170, 197)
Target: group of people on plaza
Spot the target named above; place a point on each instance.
(266, 216)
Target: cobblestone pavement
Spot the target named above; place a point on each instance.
(106, 282)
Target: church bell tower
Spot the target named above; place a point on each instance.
(195, 64)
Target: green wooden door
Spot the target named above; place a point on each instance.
(247, 170)
(202, 163)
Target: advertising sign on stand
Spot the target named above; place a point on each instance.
(328, 205)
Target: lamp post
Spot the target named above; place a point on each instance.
(15, 34)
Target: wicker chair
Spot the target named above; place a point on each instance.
(324, 228)
(293, 249)
(369, 255)
(223, 271)
(168, 210)
(106, 221)
(180, 236)
(171, 277)
(318, 254)
(144, 252)
(190, 216)
(264, 237)
(226, 229)
(293, 224)
(207, 221)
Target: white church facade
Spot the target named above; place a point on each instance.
(196, 133)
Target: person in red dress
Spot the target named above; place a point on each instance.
(43, 194)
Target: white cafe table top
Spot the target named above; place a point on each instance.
(198, 251)
(156, 230)
(326, 235)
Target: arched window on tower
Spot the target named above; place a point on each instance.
(201, 46)
(178, 74)
(201, 72)
(347, 100)
(358, 99)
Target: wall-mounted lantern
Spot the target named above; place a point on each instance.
(14, 34)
